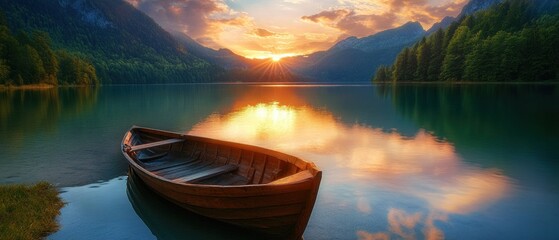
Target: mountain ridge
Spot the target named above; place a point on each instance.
(124, 44)
(350, 60)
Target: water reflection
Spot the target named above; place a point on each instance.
(422, 166)
(168, 221)
(26, 112)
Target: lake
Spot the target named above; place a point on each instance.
(403, 162)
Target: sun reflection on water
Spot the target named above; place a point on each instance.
(421, 167)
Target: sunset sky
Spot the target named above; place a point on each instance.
(268, 28)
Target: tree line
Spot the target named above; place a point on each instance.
(124, 45)
(30, 59)
(514, 41)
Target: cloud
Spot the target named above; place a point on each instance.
(351, 23)
(261, 32)
(296, 27)
(327, 16)
(294, 1)
(202, 20)
(362, 18)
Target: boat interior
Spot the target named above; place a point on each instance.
(194, 161)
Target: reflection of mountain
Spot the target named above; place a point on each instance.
(167, 221)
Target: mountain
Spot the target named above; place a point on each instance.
(382, 40)
(222, 57)
(124, 44)
(513, 41)
(470, 8)
(444, 23)
(477, 5)
(355, 59)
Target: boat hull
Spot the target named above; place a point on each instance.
(280, 210)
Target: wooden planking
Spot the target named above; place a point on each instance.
(182, 170)
(152, 157)
(251, 213)
(239, 202)
(164, 166)
(235, 156)
(226, 180)
(245, 164)
(212, 172)
(155, 144)
(165, 187)
(272, 170)
(166, 163)
(258, 163)
(210, 152)
(223, 152)
(188, 148)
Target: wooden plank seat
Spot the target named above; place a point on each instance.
(297, 177)
(209, 173)
(155, 144)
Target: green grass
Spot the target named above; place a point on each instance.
(28, 211)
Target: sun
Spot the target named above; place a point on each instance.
(276, 58)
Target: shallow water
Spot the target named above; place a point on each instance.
(423, 161)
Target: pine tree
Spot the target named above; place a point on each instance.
(453, 63)
(423, 58)
(383, 74)
(436, 59)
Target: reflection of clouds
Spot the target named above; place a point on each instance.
(405, 226)
(468, 192)
(420, 166)
(363, 235)
(363, 205)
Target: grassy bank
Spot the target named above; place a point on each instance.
(28, 212)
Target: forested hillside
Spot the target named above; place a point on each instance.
(515, 41)
(350, 60)
(29, 59)
(124, 45)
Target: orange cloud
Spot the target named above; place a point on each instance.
(201, 20)
(351, 23)
(363, 18)
(327, 16)
(261, 32)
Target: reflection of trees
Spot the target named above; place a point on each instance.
(503, 117)
(23, 112)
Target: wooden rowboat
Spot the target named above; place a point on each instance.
(248, 186)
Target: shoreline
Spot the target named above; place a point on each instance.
(27, 87)
(44, 86)
(32, 210)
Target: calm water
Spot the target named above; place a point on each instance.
(411, 162)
